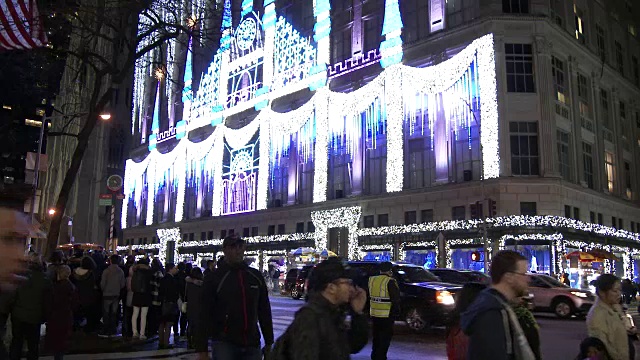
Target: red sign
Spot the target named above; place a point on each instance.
(105, 196)
(120, 196)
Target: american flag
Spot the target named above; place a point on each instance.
(20, 25)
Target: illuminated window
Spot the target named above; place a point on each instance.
(519, 61)
(419, 164)
(564, 156)
(524, 148)
(580, 25)
(609, 169)
(587, 162)
(557, 71)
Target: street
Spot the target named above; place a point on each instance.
(560, 340)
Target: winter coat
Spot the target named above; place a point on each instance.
(112, 281)
(32, 298)
(194, 299)
(608, 324)
(64, 301)
(85, 282)
(142, 299)
(319, 332)
(169, 289)
(236, 300)
(155, 288)
(484, 323)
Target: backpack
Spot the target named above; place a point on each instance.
(139, 282)
(280, 348)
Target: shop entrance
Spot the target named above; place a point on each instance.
(338, 241)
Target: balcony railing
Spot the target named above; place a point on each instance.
(607, 135)
(586, 123)
(562, 110)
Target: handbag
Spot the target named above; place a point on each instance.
(169, 310)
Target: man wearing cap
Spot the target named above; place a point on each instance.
(237, 300)
(383, 304)
(318, 331)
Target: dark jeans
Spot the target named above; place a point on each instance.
(3, 329)
(109, 315)
(127, 331)
(22, 332)
(382, 334)
(226, 351)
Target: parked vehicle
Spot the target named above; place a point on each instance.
(550, 295)
(294, 282)
(425, 300)
(461, 277)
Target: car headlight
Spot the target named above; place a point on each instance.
(579, 294)
(444, 297)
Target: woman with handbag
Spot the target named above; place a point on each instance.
(169, 295)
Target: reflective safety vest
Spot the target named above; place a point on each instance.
(380, 303)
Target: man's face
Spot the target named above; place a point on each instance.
(342, 290)
(234, 254)
(13, 233)
(519, 281)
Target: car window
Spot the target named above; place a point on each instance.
(292, 274)
(551, 281)
(414, 274)
(537, 282)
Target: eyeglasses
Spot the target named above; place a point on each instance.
(345, 281)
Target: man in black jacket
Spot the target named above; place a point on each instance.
(318, 331)
(237, 299)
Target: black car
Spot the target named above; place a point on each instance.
(294, 282)
(461, 277)
(425, 300)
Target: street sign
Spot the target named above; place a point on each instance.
(120, 196)
(114, 183)
(106, 200)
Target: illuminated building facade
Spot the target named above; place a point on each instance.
(379, 129)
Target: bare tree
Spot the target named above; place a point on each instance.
(108, 38)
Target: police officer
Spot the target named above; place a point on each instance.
(384, 304)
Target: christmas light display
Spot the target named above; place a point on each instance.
(347, 217)
(391, 47)
(164, 236)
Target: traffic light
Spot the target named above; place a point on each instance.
(476, 256)
(493, 208)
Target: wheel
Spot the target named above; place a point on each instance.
(562, 308)
(415, 320)
(295, 293)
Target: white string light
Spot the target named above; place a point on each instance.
(347, 217)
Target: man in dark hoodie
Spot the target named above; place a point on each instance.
(490, 322)
(236, 299)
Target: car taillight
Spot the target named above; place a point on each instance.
(444, 297)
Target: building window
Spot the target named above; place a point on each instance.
(254, 231)
(528, 208)
(557, 12)
(410, 217)
(524, 148)
(223, 234)
(604, 103)
(281, 229)
(414, 14)
(576, 213)
(627, 179)
(583, 87)
(580, 25)
(426, 215)
(271, 230)
(633, 226)
(515, 6)
(567, 211)
(620, 223)
(341, 44)
(564, 166)
(636, 70)
(623, 110)
(587, 162)
(458, 213)
(600, 220)
(367, 221)
(609, 169)
(459, 11)
(557, 70)
(300, 227)
(383, 219)
(614, 222)
(592, 217)
(619, 58)
(311, 227)
(246, 232)
(519, 60)
(601, 40)
(203, 236)
(372, 30)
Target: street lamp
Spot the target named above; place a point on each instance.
(53, 211)
(105, 116)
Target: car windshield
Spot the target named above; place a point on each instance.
(551, 281)
(414, 274)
